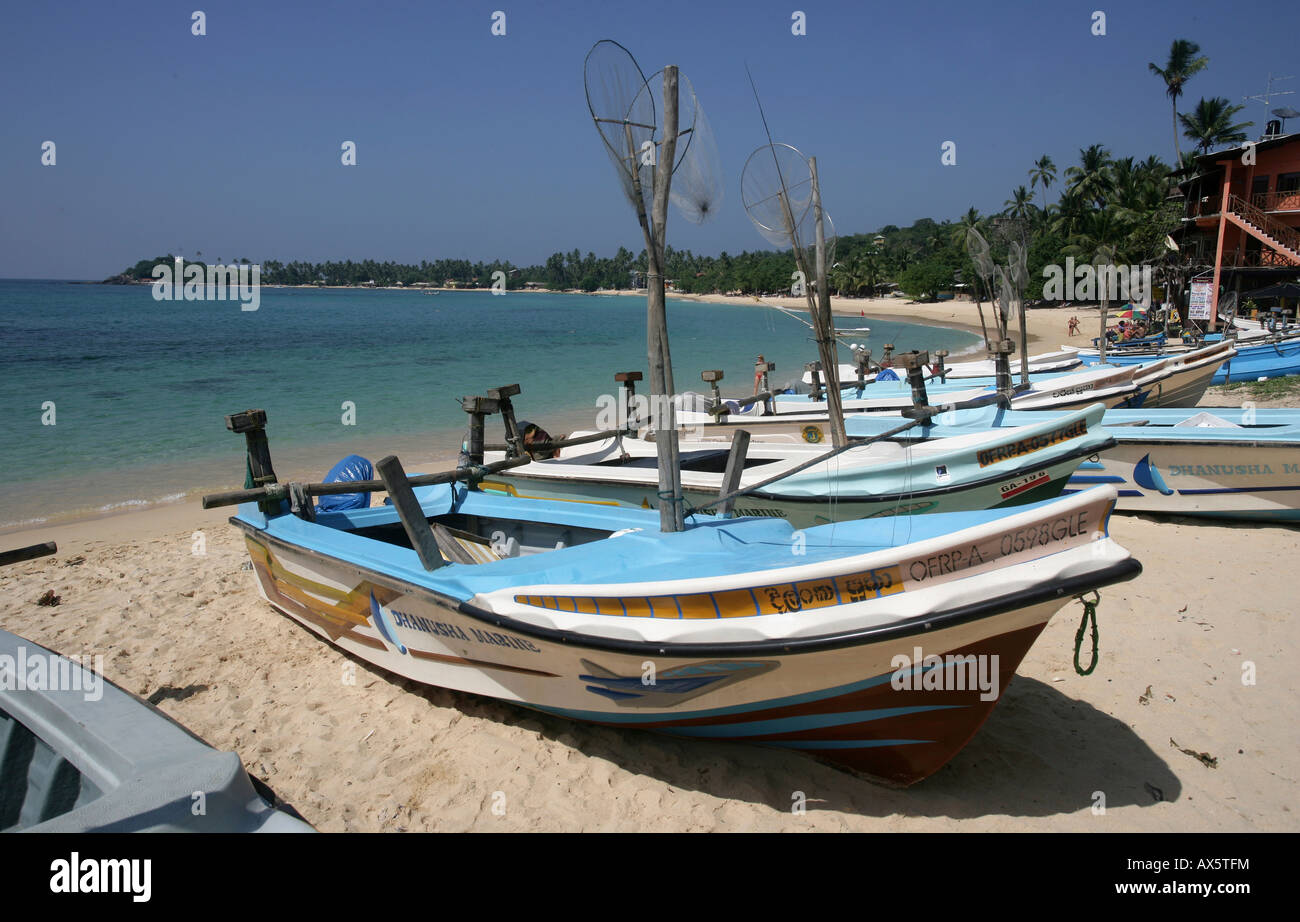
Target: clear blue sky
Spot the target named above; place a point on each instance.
(475, 146)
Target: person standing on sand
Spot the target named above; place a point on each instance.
(1073, 326)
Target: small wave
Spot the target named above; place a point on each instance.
(22, 523)
(109, 507)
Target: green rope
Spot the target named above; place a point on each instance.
(1089, 614)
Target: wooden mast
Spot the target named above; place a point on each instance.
(671, 513)
(825, 324)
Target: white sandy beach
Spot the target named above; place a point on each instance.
(383, 754)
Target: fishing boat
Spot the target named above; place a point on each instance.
(1175, 381)
(881, 645)
(1240, 464)
(853, 643)
(801, 483)
(1044, 363)
(79, 754)
(1273, 358)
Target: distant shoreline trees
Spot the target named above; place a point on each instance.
(1120, 206)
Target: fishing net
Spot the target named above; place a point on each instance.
(625, 114)
(776, 189)
(807, 235)
(1018, 274)
(626, 109)
(697, 176)
(978, 249)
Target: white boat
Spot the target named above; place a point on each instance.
(1060, 361)
(1175, 381)
(977, 470)
(878, 646)
(1241, 464)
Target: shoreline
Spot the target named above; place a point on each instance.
(163, 594)
(385, 754)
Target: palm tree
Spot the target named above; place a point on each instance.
(970, 219)
(1090, 181)
(1210, 124)
(1044, 172)
(1183, 64)
(1018, 206)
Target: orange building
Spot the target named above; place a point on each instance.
(1242, 220)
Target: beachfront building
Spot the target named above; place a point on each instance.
(1241, 226)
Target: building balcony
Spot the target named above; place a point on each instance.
(1277, 201)
(1286, 205)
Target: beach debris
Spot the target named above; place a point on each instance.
(74, 561)
(175, 693)
(1204, 758)
(368, 735)
(1156, 794)
(49, 599)
(1145, 697)
(1183, 609)
(246, 565)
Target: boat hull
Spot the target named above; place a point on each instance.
(869, 697)
(1213, 479)
(1251, 362)
(1027, 484)
(961, 474)
(1248, 470)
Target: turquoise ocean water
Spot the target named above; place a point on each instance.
(140, 387)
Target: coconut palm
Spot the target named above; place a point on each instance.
(1090, 181)
(970, 219)
(1185, 61)
(1044, 171)
(1019, 205)
(1104, 228)
(1210, 124)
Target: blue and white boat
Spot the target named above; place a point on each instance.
(736, 629)
(972, 470)
(1273, 358)
(1172, 382)
(1217, 463)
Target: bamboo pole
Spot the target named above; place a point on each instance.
(826, 331)
(279, 491)
(671, 513)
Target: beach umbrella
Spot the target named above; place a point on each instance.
(1132, 312)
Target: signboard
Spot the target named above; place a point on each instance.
(1198, 305)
